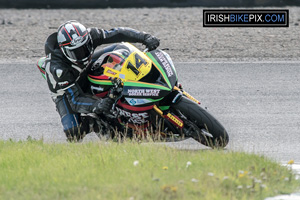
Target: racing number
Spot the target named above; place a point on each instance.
(139, 61)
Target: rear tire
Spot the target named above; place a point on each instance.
(206, 129)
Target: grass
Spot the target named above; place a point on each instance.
(36, 170)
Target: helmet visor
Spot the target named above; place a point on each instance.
(81, 53)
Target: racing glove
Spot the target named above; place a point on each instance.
(151, 42)
(103, 105)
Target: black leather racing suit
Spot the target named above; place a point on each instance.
(68, 82)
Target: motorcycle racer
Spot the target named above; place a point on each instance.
(69, 53)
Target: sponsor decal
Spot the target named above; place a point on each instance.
(76, 40)
(191, 97)
(63, 83)
(175, 120)
(133, 102)
(111, 72)
(122, 76)
(165, 63)
(135, 118)
(59, 72)
(143, 92)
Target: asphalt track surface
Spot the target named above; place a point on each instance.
(258, 103)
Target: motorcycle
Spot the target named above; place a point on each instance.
(149, 99)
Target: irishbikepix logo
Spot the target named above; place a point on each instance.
(245, 18)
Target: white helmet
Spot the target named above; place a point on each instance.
(75, 42)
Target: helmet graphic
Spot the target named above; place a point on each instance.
(75, 42)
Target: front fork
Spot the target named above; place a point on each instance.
(186, 94)
(169, 116)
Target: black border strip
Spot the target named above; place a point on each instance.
(246, 11)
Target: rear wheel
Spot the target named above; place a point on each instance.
(200, 125)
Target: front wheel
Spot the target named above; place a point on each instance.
(200, 125)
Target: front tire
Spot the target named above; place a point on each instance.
(200, 124)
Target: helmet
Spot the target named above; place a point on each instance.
(75, 42)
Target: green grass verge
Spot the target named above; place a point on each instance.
(35, 170)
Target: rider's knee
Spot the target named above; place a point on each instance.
(74, 129)
(75, 134)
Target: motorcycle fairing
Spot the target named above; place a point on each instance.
(143, 77)
(136, 66)
(133, 89)
(165, 66)
(134, 117)
(40, 65)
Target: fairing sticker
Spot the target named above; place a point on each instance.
(137, 102)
